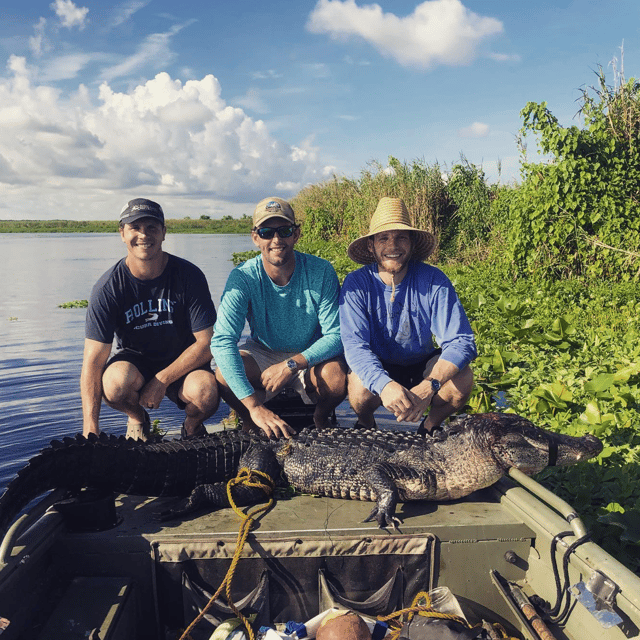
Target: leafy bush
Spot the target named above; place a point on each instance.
(579, 213)
(469, 225)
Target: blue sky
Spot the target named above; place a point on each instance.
(208, 107)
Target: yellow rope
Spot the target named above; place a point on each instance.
(396, 622)
(249, 478)
(426, 610)
(502, 631)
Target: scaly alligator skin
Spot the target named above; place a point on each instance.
(385, 467)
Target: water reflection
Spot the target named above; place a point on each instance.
(41, 345)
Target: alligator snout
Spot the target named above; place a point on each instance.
(592, 447)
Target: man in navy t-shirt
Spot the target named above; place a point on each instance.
(159, 309)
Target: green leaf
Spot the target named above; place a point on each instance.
(600, 383)
(592, 414)
(628, 521)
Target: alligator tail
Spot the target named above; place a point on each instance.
(111, 463)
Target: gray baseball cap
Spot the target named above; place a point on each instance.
(141, 208)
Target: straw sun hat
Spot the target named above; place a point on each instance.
(391, 215)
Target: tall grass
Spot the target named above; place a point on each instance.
(339, 210)
(465, 213)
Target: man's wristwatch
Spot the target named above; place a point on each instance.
(292, 365)
(435, 384)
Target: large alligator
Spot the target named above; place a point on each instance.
(471, 453)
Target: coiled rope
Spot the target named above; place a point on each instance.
(248, 478)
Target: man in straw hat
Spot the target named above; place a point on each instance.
(390, 309)
(290, 300)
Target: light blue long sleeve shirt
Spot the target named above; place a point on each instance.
(374, 329)
(301, 317)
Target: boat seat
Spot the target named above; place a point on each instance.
(100, 608)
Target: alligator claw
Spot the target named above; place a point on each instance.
(383, 518)
(183, 508)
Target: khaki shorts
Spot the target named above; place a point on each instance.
(264, 358)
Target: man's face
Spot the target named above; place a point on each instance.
(143, 238)
(392, 250)
(276, 251)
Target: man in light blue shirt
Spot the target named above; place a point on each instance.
(290, 300)
(390, 310)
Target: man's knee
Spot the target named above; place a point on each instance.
(200, 388)
(461, 386)
(120, 381)
(359, 396)
(331, 379)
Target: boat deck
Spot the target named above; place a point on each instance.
(302, 538)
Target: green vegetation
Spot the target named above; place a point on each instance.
(74, 304)
(184, 225)
(566, 355)
(548, 273)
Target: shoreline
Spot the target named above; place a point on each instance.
(233, 226)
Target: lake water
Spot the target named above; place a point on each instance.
(41, 345)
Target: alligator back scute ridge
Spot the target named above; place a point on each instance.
(122, 465)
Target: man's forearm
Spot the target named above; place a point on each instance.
(442, 371)
(191, 358)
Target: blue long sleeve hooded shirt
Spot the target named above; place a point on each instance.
(374, 329)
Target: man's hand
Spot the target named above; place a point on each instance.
(152, 393)
(270, 423)
(406, 405)
(275, 378)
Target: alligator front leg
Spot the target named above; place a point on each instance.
(213, 496)
(380, 479)
(259, 457)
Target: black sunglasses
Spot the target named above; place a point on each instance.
(266, 233)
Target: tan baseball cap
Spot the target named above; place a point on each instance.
(273, 207)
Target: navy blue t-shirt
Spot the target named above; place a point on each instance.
(154, 318)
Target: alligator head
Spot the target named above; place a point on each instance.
(515, 442)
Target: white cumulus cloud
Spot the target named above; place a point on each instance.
(475, 130)
(70, 15)
(162, 138)
(437, 32)
(38, 42)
